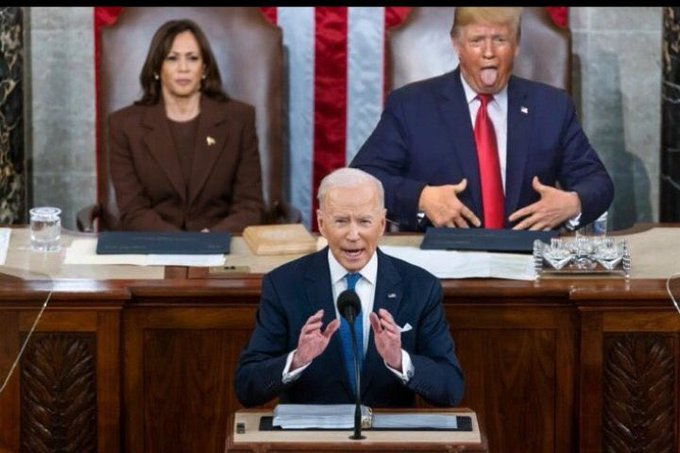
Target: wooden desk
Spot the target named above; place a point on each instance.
(146, 364)
(254, 440)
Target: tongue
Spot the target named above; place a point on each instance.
(489, 76)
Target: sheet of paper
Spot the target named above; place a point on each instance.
(186, 260)
(452, 264)
(5, 234)
(328, 416)
(412, 421)
(84, 251)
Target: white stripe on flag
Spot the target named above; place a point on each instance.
(297, 24)
(365, 30)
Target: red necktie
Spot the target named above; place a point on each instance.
(489, 168)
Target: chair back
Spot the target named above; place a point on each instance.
(421, 47)
(249, 52)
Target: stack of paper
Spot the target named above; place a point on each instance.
(414, 421)
(319, 416)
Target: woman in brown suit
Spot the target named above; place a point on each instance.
(185, 156)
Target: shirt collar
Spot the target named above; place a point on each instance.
(369, 271)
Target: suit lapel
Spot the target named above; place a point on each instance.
(320, 294)
(211, 141)
(519, 126)
(159, 142)
(388, 295)
(456, 115)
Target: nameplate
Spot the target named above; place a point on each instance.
(165, 243)
(480, 239)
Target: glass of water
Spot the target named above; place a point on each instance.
(45, 229)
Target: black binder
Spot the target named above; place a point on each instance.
(480, 239)
(165, 243)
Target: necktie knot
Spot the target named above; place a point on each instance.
(484, 99)
(352, 279)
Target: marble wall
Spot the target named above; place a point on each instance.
(12, 137)
(616, 80)
(670, 118)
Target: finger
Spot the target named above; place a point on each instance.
(470, 216)
(375, 322)
(331, 328)
(460, 222)
(316, 316)
(460, 187)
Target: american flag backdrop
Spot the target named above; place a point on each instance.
(336, 84)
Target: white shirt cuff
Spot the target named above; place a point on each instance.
(406, 365)
(289, 376)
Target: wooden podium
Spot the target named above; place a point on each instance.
(251, 439)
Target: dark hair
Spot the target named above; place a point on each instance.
(161, 43)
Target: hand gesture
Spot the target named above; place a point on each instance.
(387, 335)
(554, 207)
(442, 206)
(312, 341)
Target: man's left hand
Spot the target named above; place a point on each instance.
(387, 336)
(554, 207)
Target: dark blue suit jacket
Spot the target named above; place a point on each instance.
(296, 290)
(425, 136)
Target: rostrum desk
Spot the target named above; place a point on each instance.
(141, 359)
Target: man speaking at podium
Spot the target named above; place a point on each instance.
(296, 350)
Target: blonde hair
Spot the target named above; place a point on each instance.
(509, 16)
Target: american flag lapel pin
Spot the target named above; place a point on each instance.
(392, 295)
(524, 110)
(210, 141)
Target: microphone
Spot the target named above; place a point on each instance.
(349, 307)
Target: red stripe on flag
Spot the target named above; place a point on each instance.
(330, 94)
(104, 16)
(269, 13)
(559, 15)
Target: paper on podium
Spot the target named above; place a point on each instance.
(451, 264)
(413, 421)
(84, 251)
(319, 416)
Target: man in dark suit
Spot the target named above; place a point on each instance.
(425, 148)
(405, 340)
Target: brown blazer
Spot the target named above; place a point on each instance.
(225, 190)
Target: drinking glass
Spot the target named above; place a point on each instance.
(45, 225)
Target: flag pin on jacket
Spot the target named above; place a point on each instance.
(524, 110)
(210, 141)
(392, 296)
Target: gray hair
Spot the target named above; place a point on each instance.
(350, 177)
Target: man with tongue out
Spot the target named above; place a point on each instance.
(480, 147)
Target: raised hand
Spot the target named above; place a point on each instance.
(554, 207)
(387, 335)
(313, 341)
(442, 206)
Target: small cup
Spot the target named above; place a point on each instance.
(45, 229)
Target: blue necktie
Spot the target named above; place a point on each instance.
(346, 335)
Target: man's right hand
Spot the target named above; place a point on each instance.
(442, 206)
(312, 341)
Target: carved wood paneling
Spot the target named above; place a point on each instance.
(58, 394)
(639, 393)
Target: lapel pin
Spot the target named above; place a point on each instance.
(524, 110)
(210, 141)
(392, 296)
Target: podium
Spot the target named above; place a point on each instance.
(244, 435)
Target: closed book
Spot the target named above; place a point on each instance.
(480, 239)
(279, 239)
(163, 243)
